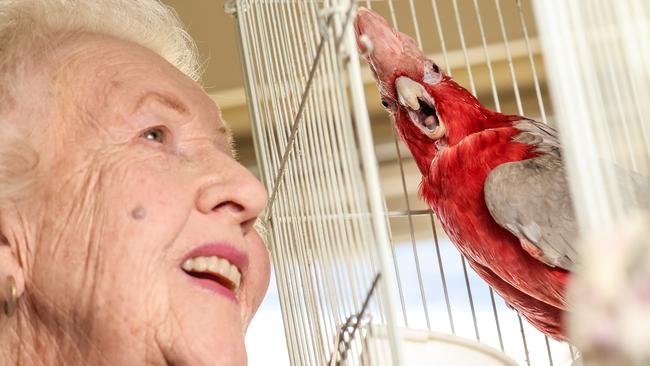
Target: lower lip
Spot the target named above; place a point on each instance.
(214, 287)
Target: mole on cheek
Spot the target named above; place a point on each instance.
(139, 213)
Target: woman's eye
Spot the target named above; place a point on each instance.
(156, 134)
(384, 103)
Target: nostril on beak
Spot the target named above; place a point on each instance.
(365, 45)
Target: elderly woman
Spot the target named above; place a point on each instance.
(126, 226)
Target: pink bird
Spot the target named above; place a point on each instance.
(495, 181)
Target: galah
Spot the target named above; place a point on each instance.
(495, 181)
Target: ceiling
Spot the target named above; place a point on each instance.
(214, 32)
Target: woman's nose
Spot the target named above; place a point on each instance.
(232, 190)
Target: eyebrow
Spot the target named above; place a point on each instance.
(167, 101)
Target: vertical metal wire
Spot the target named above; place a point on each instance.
(294, 130)
(548, 351)
(463, 46)
(288, 314)
(496, 101)
(259, 142)
(370, 168)
(305, 328)
(540, 103)
(303, 274)
(506, 43)
(404, 187)
(617, 92)
(327, 183)
(316, 143)
(410, 219)
(538, 92)
(594, 93)
(633, 13)
(414, 16)
(344, 117)
(325, 285)
(340, 229)
(393, 17)
(342, 253)
(442, 275)
(408, 204)
(341, 114)
(488, 62)
(497, 104)
(473, 87)
(520, 110)
(355, 158)
(471, 300)
(412, 235)
(523, 337)
(290, 205)
(441, 38)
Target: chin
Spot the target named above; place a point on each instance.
(199, 352)
(223, 354)
(214, 342)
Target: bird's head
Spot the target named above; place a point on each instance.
(430, 110)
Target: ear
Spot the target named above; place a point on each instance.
(9, 266)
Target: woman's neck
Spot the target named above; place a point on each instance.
(27, 341)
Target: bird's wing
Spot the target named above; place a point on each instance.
(531, 198)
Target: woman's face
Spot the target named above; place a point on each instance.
(136, 176)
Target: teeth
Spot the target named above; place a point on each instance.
(214, 265)
(200, 263)
(188, 264)
(409, 91)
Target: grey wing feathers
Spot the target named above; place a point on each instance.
(544, 137)
(531, 198)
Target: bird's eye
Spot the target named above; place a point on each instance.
(431, 74)
(384, 103)
(156, 134)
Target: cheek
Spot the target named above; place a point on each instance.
(260, 267)
(151, 208)
(148, 211)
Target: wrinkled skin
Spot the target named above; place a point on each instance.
(126, 188)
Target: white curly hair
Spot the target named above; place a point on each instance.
(29, 26)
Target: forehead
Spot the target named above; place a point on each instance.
(95, 71)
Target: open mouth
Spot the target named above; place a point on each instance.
(213, 270)
(420, 107)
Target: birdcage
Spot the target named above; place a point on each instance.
(362, 266)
